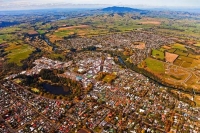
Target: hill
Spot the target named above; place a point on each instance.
(121, 9)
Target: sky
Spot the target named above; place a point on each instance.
(20, 4)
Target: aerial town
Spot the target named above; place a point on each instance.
(132, 103)
(99, 70)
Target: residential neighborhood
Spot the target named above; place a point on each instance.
(131, 103)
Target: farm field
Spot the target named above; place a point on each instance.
(170, 57)
(92, 25)
(179, 67)
(179, 46)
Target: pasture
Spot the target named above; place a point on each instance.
(169, 57)
(154, 65)
(17, 53)
(179, 46)
(158, 54)
(151, 22)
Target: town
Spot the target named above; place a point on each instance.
(130, 103)
(99, 69)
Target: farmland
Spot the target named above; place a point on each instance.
(179, 67)
(17, 53)
(92, 26)
(164, 61)
(169, 57)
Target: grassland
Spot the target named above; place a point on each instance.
(154, 65)
(179, 67)
(158, 54)
(179, 46)
(19, 52)
(7, 38)
(180, 27)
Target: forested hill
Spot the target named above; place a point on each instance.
(121, 9)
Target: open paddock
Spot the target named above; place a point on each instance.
(169, 57)
(186, 59)
(17, 53)
(180, 52)
(179, 46)
(178, 62)
(166, 47)
(139, 45)
(74, 27)
(186, 64)
(193, 56)
(193, 82)
(151, 22)
(171, 50)
(154, 65)
(158, 54)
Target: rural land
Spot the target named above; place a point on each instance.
(109, 70)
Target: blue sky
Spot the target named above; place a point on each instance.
(19, 4)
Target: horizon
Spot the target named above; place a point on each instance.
(7, 5)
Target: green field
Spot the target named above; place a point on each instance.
(18, 53)
(180, 52)
(6, 38)
(41, 31)
(171, 50)
(158, 54)
(179, 46)
(9, 30)
(100, 25)
(155, 65)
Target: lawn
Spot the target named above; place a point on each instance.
(18, 53)
(155, 65)
(158, 54)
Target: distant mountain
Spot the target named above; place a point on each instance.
(121, 9)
